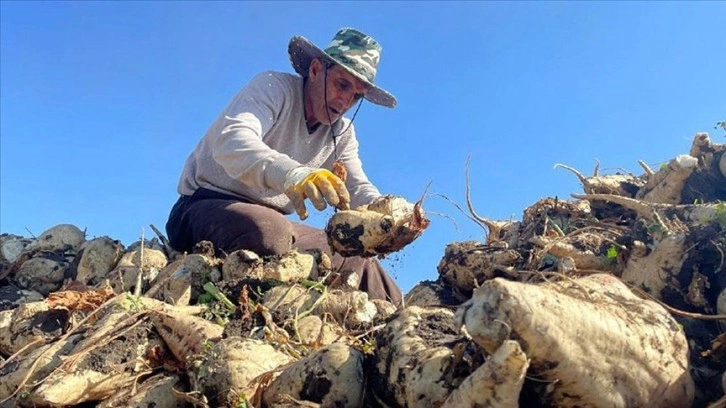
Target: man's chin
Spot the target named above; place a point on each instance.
(333, 119)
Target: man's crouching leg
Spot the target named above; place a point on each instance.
(374, 279)
(230, 225)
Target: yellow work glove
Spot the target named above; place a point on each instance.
(320, 186)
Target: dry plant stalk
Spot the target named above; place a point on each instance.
(494, 228)
(76, 300)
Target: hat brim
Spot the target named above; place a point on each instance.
(302, 52)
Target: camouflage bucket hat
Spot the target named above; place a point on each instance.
(356, 52)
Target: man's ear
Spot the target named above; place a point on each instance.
(316, 67)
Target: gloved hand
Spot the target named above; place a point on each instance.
(318, 185)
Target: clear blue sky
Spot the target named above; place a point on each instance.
(101, 102)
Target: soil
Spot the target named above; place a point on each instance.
(51, 323)
(316, 387)
(443, 292)
(120, 352)
(241, 325)
(205, 248)
(705, 184)
(437, 330)
(255, 288)
(348, 238)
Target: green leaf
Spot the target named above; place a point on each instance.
(654, 228)
(612, 252)
(217, 294)
(205, 298)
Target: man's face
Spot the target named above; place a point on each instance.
(343, 91)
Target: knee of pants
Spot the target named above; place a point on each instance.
(269, 236)
(276, 234)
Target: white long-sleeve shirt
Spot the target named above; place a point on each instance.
(262, 135)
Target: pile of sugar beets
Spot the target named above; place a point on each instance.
(612, 299)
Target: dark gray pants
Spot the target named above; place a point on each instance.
(231, 223)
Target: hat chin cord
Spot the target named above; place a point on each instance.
(327, 112)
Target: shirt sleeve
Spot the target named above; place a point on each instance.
(239, 147)
(361, 190)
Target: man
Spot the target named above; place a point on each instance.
(273, 147)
